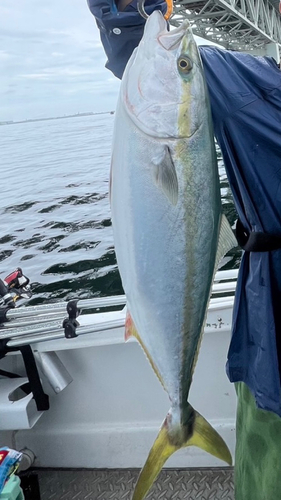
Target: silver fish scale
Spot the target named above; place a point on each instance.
(188, 484)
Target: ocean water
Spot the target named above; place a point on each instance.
(54, 207)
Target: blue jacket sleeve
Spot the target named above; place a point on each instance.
(121, 32)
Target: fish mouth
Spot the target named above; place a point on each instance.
(168, 39)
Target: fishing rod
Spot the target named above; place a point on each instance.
(61, 307)
(32, 324)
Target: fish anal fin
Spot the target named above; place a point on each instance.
(226, 240)
(131, 331)
(165, 175)
(173, 436)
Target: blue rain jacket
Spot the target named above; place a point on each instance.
(120, 32)
(245, 96)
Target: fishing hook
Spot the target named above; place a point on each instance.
(144, 14)
(141, 9)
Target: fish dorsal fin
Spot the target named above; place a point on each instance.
(226, 241)
(165, 175)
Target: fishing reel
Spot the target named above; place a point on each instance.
(14, 289)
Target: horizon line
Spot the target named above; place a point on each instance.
(74, 115)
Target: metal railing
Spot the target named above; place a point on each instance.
(33, 324)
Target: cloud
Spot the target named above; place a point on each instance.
(52, 60)
(57, 54)
(4, 55)
(55, 73)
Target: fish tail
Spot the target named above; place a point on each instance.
(173, 435)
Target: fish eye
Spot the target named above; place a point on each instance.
(184, 64)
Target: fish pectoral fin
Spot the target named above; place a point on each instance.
(196, 432)
(131, 331)
(226, 241)
(165, 175)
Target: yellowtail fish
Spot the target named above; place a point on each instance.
(168, 226)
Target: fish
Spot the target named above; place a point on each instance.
(169, 230)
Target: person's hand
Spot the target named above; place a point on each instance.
(122, 4)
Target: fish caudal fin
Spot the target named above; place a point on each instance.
(161, 450)
(173, 436)
(207, 438)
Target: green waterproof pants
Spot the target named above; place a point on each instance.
(257, 473)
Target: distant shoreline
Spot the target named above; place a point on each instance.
(76, 115)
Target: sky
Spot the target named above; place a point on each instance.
(52, 61)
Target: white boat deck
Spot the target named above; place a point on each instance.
(107, 418)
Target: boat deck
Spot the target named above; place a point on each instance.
(114, 484)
